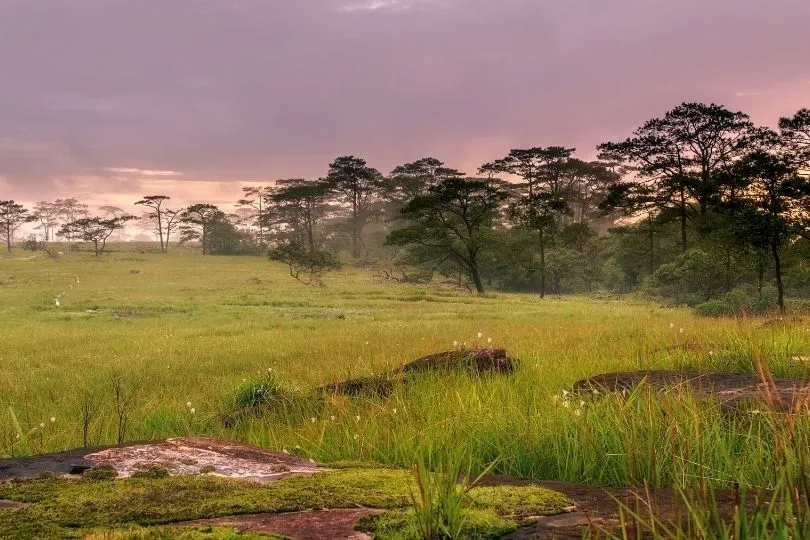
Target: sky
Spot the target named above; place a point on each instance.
(109, 100)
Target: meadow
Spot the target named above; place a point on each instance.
(179, 335)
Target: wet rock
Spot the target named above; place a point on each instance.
(309, 525)
(731, 389)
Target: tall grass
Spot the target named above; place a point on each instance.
(204, 331)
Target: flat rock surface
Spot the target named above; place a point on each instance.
(180, 456)
(309, 525)
(597, 508)
(731, 389)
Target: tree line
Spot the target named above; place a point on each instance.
(695, 204)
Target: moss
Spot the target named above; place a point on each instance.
(180, 533)
(519, 502)
(64, 508)
(400, 525)
(100, 472)
(154, 471)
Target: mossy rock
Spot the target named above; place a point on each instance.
(64, 508)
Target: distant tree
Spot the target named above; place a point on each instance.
(298, 206)
(305, 264)
(255, 198)
(774, 199)
(94, 229)
(12, 217)
(165, 220)
(112, 211)
(357, 185)
(543, 197)
(411, 180)
(70, 210)
(453, 222)
(47, 214)
(682, 156)
(198, 221)
(796, 130)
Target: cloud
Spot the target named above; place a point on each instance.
(221, 92)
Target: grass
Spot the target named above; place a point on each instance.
(62, 508)
(200, 330)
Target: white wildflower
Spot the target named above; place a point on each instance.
(332, 418)
(312, 420)
(357, 418)
(681, 330)
(582, 404)
(42, 424)
(489, 340)
(192, 410)
(455, 344)
(671, 325)
(480, 335)
(57, 302)
(188, 404)
(53, 419)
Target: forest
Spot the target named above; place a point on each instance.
(699, 206)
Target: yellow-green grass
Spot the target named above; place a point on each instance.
(182, 328)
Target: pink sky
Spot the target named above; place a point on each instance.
(109, 100)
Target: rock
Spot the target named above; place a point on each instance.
(188, 456)
(479, 360)
(11, 505)
(181, 456)
(79, 467)
(475, 360)
(309, 525)
(731, 389)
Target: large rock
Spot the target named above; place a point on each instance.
(471, 360)
(730, 389)
(180, 456)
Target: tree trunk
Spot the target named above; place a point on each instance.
(652, 246)
(542, 265)
(780, 292)
(476, 277)
(683, 222)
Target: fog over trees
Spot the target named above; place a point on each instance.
(699, 205)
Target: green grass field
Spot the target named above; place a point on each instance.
(182, 328)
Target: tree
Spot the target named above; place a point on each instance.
(543, 196)
(255, 198)
(796, 130)
(165, 219)
(358, 186)
(70, 210)
(453, 222)
(410, 180)
(12, 217)
(47, 213)
(298, 205)
(682, 155)
(94, 229)
(773, 199)
(198, 221)
(303, 260)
